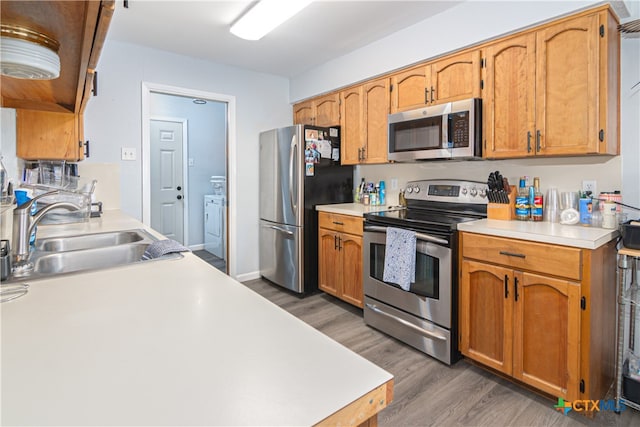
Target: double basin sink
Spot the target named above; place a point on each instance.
(68, 254)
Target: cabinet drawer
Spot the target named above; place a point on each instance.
(346, 223)
(539, 257)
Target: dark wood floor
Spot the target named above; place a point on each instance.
(427, 392)
(218, 263)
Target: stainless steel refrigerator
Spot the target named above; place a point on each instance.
(299, 169)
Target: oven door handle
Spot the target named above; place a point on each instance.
(403, 322)
(420, 236)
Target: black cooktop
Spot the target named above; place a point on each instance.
(421, 219)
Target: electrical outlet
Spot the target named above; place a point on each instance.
(128, 153)
(394, 183)
(589, 186)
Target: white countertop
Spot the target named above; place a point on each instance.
(168, 342)
(545, 232)
(354, 209)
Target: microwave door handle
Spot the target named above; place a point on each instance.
(419, 236)
(445, 131)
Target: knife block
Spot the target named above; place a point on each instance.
(503, 211)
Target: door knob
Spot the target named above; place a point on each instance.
(179, 197)
(179, 188)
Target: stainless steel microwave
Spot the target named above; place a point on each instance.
(445, 131)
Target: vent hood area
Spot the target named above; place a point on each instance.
(80, 28)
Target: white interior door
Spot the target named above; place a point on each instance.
(167, 186)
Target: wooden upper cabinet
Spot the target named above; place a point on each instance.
(410, 89)
(449, 79)
(455, 77)
(376, 112)
(303, 113)
(322, 111)
(327, 110)
(351, 126)
(509, 97)
(554, 91)
(48, 135)
(363, 111)
(567, 83)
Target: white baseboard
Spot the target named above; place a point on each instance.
(247, 276)
(199, 247)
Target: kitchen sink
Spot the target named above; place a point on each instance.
(91, 241)
(73, 254)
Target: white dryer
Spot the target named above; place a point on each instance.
(215, 225)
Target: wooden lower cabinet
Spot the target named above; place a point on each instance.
(552, 333)
(340, 257)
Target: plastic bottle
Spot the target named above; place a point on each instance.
(522, 201)
(382, 196)
(538, 201)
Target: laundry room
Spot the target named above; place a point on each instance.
(188, 179)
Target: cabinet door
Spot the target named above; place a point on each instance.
(351, 257)
(509, 98)
(303, 113)
(327, 110)
(567, 87)
(547, 334)
(409, 89)
(454, 78)
(351, 123)
(376, 111)
(329, 267)
(486, 315)
(48, 135)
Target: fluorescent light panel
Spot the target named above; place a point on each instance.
(265, 16)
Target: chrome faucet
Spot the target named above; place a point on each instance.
(23, 225)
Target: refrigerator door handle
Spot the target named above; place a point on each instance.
(292, 156)
(282, 230)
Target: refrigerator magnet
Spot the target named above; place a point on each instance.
(310, 134)
(309, 169)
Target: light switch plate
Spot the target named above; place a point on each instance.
(128, 153)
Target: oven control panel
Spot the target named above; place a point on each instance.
(449, 190)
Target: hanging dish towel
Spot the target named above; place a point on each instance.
(162, 247)
(400, 257)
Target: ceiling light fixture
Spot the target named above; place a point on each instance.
(27, 54)
(265, 16)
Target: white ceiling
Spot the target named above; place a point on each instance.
(324, 30)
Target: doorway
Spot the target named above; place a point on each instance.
(205, 121)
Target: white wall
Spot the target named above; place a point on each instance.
(470, 23)
(206, 149)
(113, 120)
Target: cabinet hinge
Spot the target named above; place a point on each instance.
(583, 303)
(481, 84)
(581, 386)
(601, 30)
(601, 135)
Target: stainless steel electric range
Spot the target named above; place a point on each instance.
(425, 316)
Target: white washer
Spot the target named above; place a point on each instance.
(215, 223)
